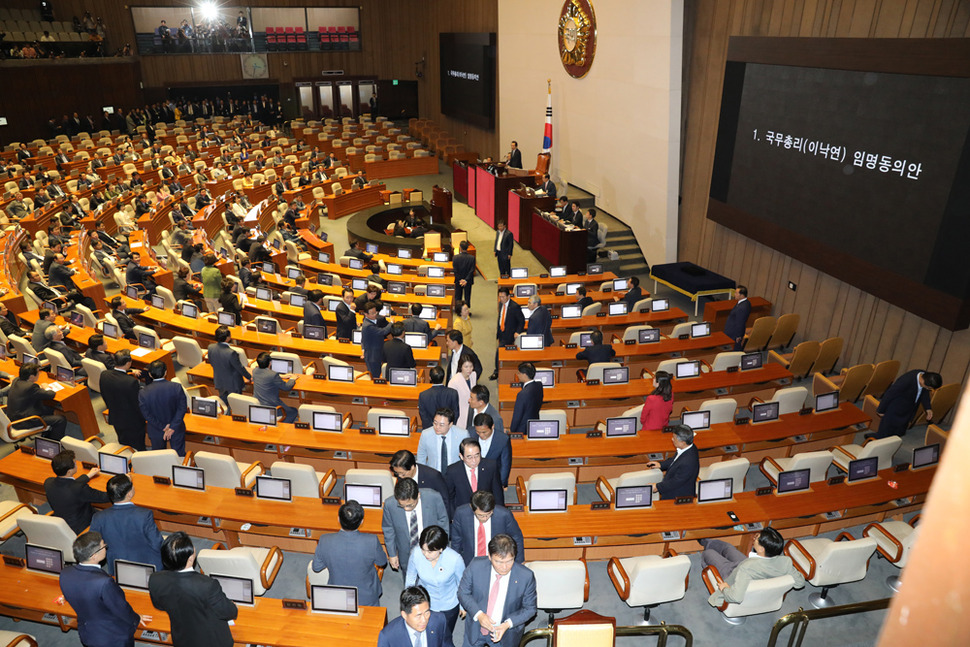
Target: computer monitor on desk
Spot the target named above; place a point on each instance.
(314, 332)
(696, 420)
(618, 308)
(327, 421)
(863, 469)
(330, 598)
(393, 426)
(546, 377)
(764, 412)
(265, 294)
(926, 456)
(237, 589)
(794, 481)
(284, 366)
(572, 288)
(46, 448)
(297, 300)
(548, 500)
(42, 559)
(369, 496)
(633, 497)
(110, 330)
(395, 268)
(323, 257)
(355, 264)
(190, 310)
(659, 305)
(439, 257)
(826, 401)
(269, 268)
(133, 575)
(715, 490)
(192, 478)
(403, 252)
(226, 319)
(158, 301)
(402, 377)
(531, 342)
(571, 311)
(621, 427)
(750, 361)
(205, 407)
(275, 489)
(689, 369)
(416, 339)
(648, 335)
(557, 271)
(617, 375)
(702, 329)
(542, 430)
(519, 273)
(112, 463)
(436, 291)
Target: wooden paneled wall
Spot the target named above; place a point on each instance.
(873, 330)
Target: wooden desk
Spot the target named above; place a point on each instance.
(546, 282)
(665, 321)
(568, 299)
(75, 401)
(522, 203)
(348, 202)
(491, 199)
(402, 167)
(555, 246)
(717, 312)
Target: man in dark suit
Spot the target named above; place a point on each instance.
(120, 392)
(25, 398)
(479, 403)
(122, 315)
(418, 624)
(60, 274)
(129, 531)
(356, 252)
(510, 324)
(471, 474)
(902, 399)
(55, 342)
(373, 332)
(528, 401)
(548, 186)
(267, 384)
(163, 402)
(195, 603)
(437, 397)
(592, 235)
(494, 443)
(346, 315)
(632, 295)
(737, 320)
(397, 354)
(312, 315)
(137, 273)
(502, 626)
(598, 352)
(581, 299)
(475, 524)
(104, 617)
(98, 352)
(514, 157)
(415, 323)
(400, 522)
(504, 244)
(228, 373)
(464, 267)
(680, 470)
(405, 466)
(540, 321)
(455, 343)
(574, 215)
(350, 556)
(71, 498)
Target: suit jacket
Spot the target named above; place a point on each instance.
(71, 355)
(464, 267)
(99, 356)
(680, 476)
(540, 323)
(394, 523)
(505, 250)
(163, 403)
(520, 601)
(515, 159)
(312, 315)
(499, 449)
(429, 447)
(350, 557)
(429, 477)
(514, 323)
(130, 533)
(527, 405)
(460, 489)
(899, 404)
(71, 500)
(465, 350)
(346, 321)
(227, 371)
(105, 619)
(437, 397)
(396, 634)
(550, 188)
(397, 354)
(125, 322)
(60, 275)
(267, 385)
(372, 340)
(120, 392)
(197, 607)
(463, 529)
(597, 353)
(415, 324)
(25, 399)
(751, 569)
(632, 296)
(591, 227)
(737, 320)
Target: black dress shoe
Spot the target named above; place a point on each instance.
(493, 376)
(868, 436)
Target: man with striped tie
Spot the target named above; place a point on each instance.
(406, 514)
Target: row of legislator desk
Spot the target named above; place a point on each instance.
(73, 401)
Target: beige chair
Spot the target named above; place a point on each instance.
(829, 353)
(547, 481)
(633, 332)
(315, 579)
(784, 332)
(592, 309)
(167, 297)
(851, 382)
(188, 353)
(17, 639)
(560, 585)
(10, 513)
(883, 375)
(88, 450)
(722, 409)
(942, 402)
(800, 361)
(260, 565)
(155, 462)
(817, 462)
(362, 476)
(50, 531)
(649, 580)
(606, 487)
(894, 541)
(222, 471)
(32, 425)
(165, 345)
(762, 596)
(735, 469)
(298, 367)
(884, 448)
(374, 415)
(724, 361)
(790, 399)
(558, 415)
(827, 563)
(432, 242)
(306, 412)
(239, 404)
(681, 329)
(595, 370)
(304, 480)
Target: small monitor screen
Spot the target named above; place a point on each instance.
(323, 257)
(659, 305)
(531, 342)
(557, 271)
(264, 294)
(324, 279)
(66, 374)
(436, 290)
(765, 412)
(402, 376)
(333, 304)
(863, 468)
(293, 272)
(224, 252)
(618, 308)
(523, 291)
(281, 365)
(368, 496)
(190, 310)
(146, 341)
(112, 464)
(594, 268)
(715, 490)
(132, 292)
(403, 253)
(46, 448)
(339, 373)
(266, 326)
(546, 377)
(702, 329)
(585, 339)
(50, 305)
(133, 575)
(355, 264)
(926, 456)
(648, 335)
(30, 359)
(297, 300)
(205, 407)
(436, 272)
(416, 339)
(314, 332)
(43, 559)
(227, 319)
(440, 257)
(794, 481)
(109, 330)
(237, 589)
(394, 268)
(269, 268)
(543, 429)
(571, 312)
(621, 284)
(392, 425)
(826, 401)
(157, 301)
(572, 288)
(750, 361)
(632, 497)
(696, 420)
(260, 415)
(277, 489)
(547, 500)
(371, 248)
(397, 287)
(687, 369)
(78, 319)
(428, 313)
(618, 375)
(519, 273)
(358, 284)
(333, 599)
(327, 421)
(357, 335)
(276, 245)
(618, 427)
(188, 477)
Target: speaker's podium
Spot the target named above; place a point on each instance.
(492, 183)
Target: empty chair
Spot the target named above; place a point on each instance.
(827, 563)
(724, 361)
(10, 512)
(800, 360)
(188, 353)
(333, 361)
(50, 531)
(166, 345)
(790, 399)
(784, 331)
(894, 541)
(559, 415)
(261, 565)
(884, 448)
(851, 382)
(17, 639)
(297, 362)
(592, 309)
(547, 481)
(167, 297)
(735, 469)
(817, 462)
(633, 332)
(560, 585)
(374, 415)
(155, 462)
(606, 487)
(828, 354)
(883, 375)
(722, 409)
(432, 242)
(305, 413)
(304, 480)
(223, 471)
(649, 580)
(361, 476)
(239, 404)
(88, 450)
(681, 329)
(762, 596)
(670, 365)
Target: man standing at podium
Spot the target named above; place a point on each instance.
(503, 248)
(514, 157)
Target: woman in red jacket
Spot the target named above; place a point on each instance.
(659, 404)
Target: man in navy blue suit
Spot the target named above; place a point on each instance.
(472, 474)
(902, 398)
(504, 245)
(104, 617)
(69, 495)
(418, 625)
(540, 321)
(476, 523)
(737, 320)
(437, 397)
(405, 466)
(163, 404)
(510, 323)
(680, 470)
(373, 331)
(494, 443)
(129, 531)
(312, 314)
(528, 401)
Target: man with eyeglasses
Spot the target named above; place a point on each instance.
(405, 516)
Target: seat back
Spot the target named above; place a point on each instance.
(220, 470)
(784, 331)
(722, 409)
(304, 481)
(595, 370)
(83, 450)
(558, 415)
(640, 477)
(882, 376)
(374, 414)
(145, 330)
(50, 531)
(828, 354)
(188, 353)
(942, 402)
(670, 365)
(633, 332)
(724, 361)
(236, 562)
(584, 628)
(790, 399)
(884, 448)
(94, 369)
(306, 411)
(293, 357)
(803, 358)
(854, 382)
(552, 481)
(361, 476)
(735, 469)
(762, 596)
(560, 584)
(89, 319)
(843, 561)
(239, 404)
(156, 462)
(655, 580)
(592, 309)
(817, 462)
(681, 329)
(574, 336)
(57, 359)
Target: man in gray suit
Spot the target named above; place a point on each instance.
(479, 402)
(406, 515)
(350, 556)
(738, 570)
(267, 385)
(228, 373)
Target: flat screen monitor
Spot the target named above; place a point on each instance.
(543, 430)
(440, 257)
(226, 319)
(266, 325)
(323, 257)
(393, 425)
(192, 478)
(436, 272)
(750, 361)
(585, 339)
(357, 335)
(826, 401)
(276, 489)
(276, 244)
(394, 268)
(132, 292)
(617, 375)
(158, 302)
(926, 456)
(205, 407)
(531, 342)
(428, 313)
(571, 311)
(659, 305)
(314, 332)
(369, 496)
(621, 427)
(548, 500)
(330, 598)
(264, 294)
(333, 304)
(284, 366)
(764, 412)
(523, 291)
(688, 369)
(77, 318)
(794, 481)
(358, 284)
(557, 271)
(572, 288)
(416, 339)
(862, 469)
(402, 377)
(355, 264)
(237, 589)
(46, 448)
(621, 284)
(702, 329)
(632, 497)
(133, 575)
(327, 421)
(696, 420)
(648, 335)
(293, 273)
(594, 268)
(715, 490)
(66, 374)
(371, 248)
(112, 463)
(519, 273)
(339, 373)
(43, 560)
(436, 290)
(109, 330)
(618, 308)
(224, 252)
(546, 377)
(31, 359)
(403, 252)
(297, 300)
(190, 310)
(269, 268)
(260, 415)
(146, 341)
(324, 279)
(50, 305)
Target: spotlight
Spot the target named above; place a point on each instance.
(209, 10)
